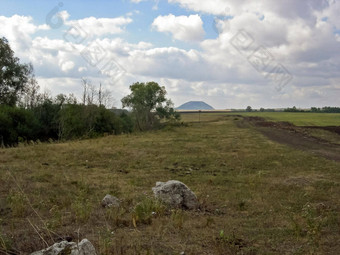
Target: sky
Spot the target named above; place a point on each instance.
(227, 53)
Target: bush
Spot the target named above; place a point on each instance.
(54, 121)
(17, 122)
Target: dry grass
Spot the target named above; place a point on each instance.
(257, 197)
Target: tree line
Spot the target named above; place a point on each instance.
(26, 114)
(326, 109)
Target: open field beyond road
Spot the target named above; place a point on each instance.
(257, 196)
(296, 118)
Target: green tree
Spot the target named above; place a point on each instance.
(14, 77)
(149, 104)
(249, 109)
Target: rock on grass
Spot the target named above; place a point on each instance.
(176, 194)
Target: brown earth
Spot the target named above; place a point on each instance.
(296, 137)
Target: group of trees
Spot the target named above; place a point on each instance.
(26, 114)
(149, 105)
(59, 119)
(326, 109)
(249, 109)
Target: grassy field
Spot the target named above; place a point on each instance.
(256, 196)
(298, 119)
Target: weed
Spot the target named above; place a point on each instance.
(5, 243)
(314, 224)
(106, 242)
(55, 219)
(177, 218)
(147, 209)
(242, 205)
(17, 202)
(230, 242)
(82, 209)
(114, 216)
(210, 222)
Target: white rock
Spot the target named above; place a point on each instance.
(110, 201)
(176, 194)
(85, 247)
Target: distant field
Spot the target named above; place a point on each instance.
(298, 119)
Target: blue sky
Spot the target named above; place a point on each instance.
(197, 49)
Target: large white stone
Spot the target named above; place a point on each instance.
(85, 247)
(176, 194)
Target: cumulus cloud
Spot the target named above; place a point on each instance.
(101, 26)
(186, 28)
(18, 30)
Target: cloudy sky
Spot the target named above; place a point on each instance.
(228, 53)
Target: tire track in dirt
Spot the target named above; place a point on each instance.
(296, 137)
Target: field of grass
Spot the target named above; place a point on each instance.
(298, 118)
(256, 196)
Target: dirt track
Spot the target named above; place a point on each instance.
(297, 137)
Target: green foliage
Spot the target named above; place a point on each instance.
(249, 109)
(81, 206)
(88, 121)
(59, 120)
(17, 202)
(148, 208)
(147, 102)
(17, 123)
(294, 109)
(177, 218)
(326, 109)
(47, 115)
(127, 122)
(14, 77)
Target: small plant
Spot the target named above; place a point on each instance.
(106, 242)
(210, 222)
(5, 243)
(17, 202)
(82, 209)
(178, 218)
(114, 215)
(230, 242)
(242, 205)
(314, 224)
(147, 209)
(55, 219)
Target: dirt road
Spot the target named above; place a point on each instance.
(297, 137)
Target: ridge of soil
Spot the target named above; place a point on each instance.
(297, 137)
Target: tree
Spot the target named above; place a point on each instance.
(261, 109)
(14, 77)
(148, 103)
(249, 109)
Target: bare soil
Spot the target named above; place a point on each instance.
(297, 137)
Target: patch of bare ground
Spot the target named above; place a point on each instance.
(297, 137)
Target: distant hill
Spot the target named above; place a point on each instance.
(195, 105)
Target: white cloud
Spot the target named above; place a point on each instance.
(217, 7)
(101, 26)
(186, 28)
(66, 66)
(18, 30)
